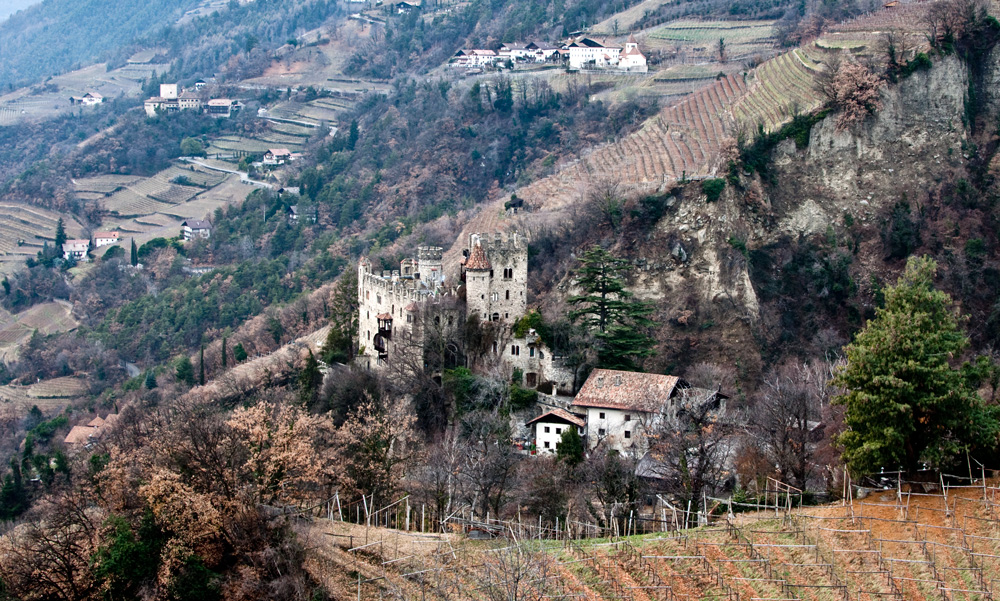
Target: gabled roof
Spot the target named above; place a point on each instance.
(627, 390)
(107, 235)
(631, 39)
(220, 102)
(586, 43)
(514, 46)
(280, 151)
(97, 422)
(478, 260)
(76, 245)
(197, 224)
(383, 316)
(559, 416)
(80, 435)
(633, 51)
(541, 46)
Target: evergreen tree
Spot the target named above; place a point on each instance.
(610, 312)
(184, 371)
(239, 353)
(201, 366)
(134, 258)
(224, 341)
(570, 449)
(905, 401)
(60, 235)
(310, 381)
(150, 380)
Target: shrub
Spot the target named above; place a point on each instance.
(712, 188)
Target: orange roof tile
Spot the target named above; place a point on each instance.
(79, 435)
(559, 415)
(478, 260)
(612, 389)
(383, 316)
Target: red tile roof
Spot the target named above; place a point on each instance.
(383, 316)
(559, 415)
(477, 259)
(612, 389)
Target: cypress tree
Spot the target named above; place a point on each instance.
(224, 341)
(201, 366)
(60, 235)
(134, 258)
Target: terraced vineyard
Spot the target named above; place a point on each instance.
(779, 87)
(904, 546)
(24, 229)
(742, 38)
(683, 140)
(58, 388)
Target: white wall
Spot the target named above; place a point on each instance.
(553, 437)
(614, 426)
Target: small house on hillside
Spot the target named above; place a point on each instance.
(88, 99)
(621, 407)
(84, 435)
(196, 228)
(632, 59)
(277, 156)
(106, 238)
(76, 250)
(549, 428)
(223, 107)
(405, 8)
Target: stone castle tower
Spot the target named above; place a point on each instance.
(496, 277)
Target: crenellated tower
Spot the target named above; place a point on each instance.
(496, 277)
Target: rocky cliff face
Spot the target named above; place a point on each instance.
(793, 263)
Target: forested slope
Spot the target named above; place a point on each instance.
(56, 35)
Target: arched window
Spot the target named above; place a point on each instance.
(508, 295)
(495, 296)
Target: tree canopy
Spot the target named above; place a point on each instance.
(906, 401)
(610, 312)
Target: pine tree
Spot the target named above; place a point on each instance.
(134, 258)
(609, 311)
(224, 341)
(201, 366)
(905, 401)
(184, 371)
(570, 449)
(150, 380)
(60, 235)
(310, 381)
(239, 353)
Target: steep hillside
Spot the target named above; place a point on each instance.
(53, 36)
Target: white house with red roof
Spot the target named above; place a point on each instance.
(106, 238)
(632, 59)
(76, 249)
(621, 407)
(550, 426)
(586, 53)
(277, 156)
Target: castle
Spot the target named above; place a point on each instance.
(399, 310)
